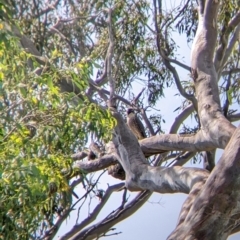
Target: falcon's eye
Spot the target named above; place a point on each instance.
(130, 111)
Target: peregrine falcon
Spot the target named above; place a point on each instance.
(94, 151)
(135, 124)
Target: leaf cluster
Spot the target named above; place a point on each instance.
(40, 128)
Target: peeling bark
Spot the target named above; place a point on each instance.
(214, 208)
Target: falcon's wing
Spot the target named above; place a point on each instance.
(141, 128)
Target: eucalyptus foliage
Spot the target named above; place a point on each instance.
(56, 67)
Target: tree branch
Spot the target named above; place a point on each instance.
(232, 70)
(141, 176)
(79, 155)
(209, 160)
(180, 64)
(174, 142)
(96, 165)
(180, 118)
(217, 201)
(234, 117)
(94, 231)
(166, 62)
(226, 104)
(230, 46)
(102, 91)
(112, 100)
(213, 124)
(223, 52)
(149, 125)
(184, 158)
(93, 215)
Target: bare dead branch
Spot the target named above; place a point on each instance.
(88, 191)
(135, 100)
(147, 122)
(78, 227)
(54, 229)
(94, 231)
(109, 235)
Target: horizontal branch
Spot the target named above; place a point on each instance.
(182, 159)
(96, 164)
(232, 70)
(79, 155)
(174, 142)
(234, 117)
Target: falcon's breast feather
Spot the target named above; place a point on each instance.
(135, 124)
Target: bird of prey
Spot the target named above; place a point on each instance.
(135, 124)
(94, 151)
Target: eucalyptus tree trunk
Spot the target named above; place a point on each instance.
(211, 210)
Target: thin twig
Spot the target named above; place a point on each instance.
(94, 213)
(109, 61)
